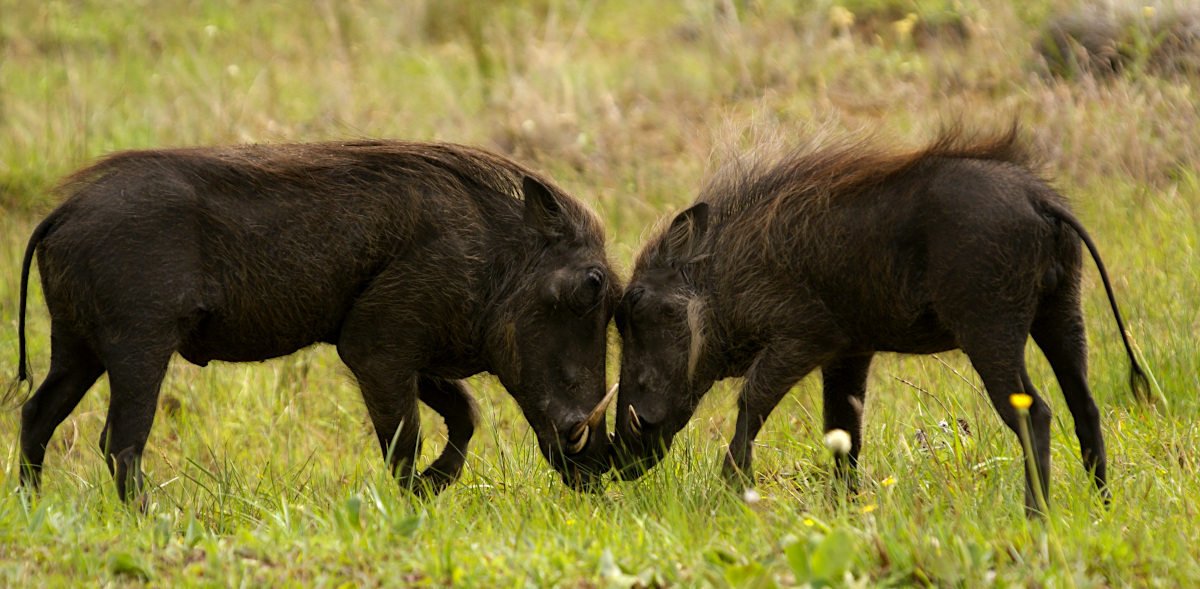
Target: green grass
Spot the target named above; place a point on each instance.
(269, 474)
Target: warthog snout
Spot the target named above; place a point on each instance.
(582, 431)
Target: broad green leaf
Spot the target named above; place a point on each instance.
(124, 564)
(833, 556)
(798, 557)
(408, 526)
(749, 576)
(354, 510)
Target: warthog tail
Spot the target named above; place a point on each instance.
(11, 394)
(1138, 382)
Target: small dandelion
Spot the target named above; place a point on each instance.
(751, 496)
(233, 70)
(211, 31)
(809, 522)
(869, 508)
(904, 27)
(838, 441)
(1148, 12)
(1021, 401)
(888, 482)
(841, 18)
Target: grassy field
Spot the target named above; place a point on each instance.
(268, 474)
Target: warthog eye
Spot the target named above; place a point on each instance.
(634, 296)
(593, 280)
(589, 291)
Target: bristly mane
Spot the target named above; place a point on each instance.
(350, 165)
(815, 174)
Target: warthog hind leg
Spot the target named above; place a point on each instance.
(1059, 333)
(1001, 365)
(74, 367)
(845, 388)
(136, 367)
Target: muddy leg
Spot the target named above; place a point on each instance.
(845, 386)
(74, 367)
(768, 380)
(1059, 332)
(453, 401)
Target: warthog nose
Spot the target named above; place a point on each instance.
(570, 373)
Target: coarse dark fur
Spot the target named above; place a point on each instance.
(823, 258)
(424, 263)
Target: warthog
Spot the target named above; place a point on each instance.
(825, 257)
(424, 263)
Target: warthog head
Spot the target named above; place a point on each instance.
(548, 333)
(660, 319)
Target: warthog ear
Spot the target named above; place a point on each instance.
(683, 238)
(542, 209)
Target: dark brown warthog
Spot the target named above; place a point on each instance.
(822, 259)
(421, 262)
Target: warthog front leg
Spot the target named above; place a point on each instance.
(390, 393)
(453, 401)
(378, 350)
(397, 421)
(774, 372)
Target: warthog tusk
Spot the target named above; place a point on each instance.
(593, 418)
(579, 435)
(635, 424)
(578, 444)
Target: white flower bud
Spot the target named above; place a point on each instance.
(838, 441)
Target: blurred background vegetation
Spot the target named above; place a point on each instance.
(270, 471)
(624, 101)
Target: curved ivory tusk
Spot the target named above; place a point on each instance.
(578, 444)
(579, 435)
(635, 424)
(593, 418)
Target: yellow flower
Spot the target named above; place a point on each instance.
(888, 481)
(1020, 401)
(841, 18)
(809, 522)
(1148, 11)
(904, 27)
(869, 508)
